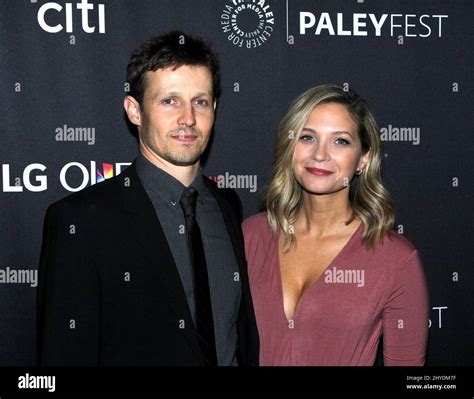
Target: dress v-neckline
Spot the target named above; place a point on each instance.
(308, 291)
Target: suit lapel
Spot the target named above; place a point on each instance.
(146, 229)
(232, 225)
(248, 334)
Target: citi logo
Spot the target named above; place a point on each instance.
(46, 17)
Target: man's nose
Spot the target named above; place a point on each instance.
(187, 116)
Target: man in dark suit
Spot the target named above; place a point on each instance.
(148, 268)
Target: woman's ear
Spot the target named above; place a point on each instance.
(364, 161)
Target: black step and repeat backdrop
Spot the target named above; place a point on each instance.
(63, 126)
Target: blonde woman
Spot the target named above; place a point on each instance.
(328, 275)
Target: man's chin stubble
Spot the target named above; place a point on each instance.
(182, 160)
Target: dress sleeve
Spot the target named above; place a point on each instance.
(405, 316)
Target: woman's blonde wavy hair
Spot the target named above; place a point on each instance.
(370, 201)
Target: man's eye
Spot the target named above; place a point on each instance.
(202, 103)
(168, 101)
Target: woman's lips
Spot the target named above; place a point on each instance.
(319, 172)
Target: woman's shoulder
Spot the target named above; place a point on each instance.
(396, 241)
(393, 259)
(396, 247)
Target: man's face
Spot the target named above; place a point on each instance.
(176, 114)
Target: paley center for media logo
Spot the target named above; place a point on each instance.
(247, 23)
(34, 179)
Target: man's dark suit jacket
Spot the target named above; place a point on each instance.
(109, 291)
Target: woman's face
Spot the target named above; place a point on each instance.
(329, 150)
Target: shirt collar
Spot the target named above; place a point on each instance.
(164, 185)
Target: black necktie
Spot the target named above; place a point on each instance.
(204, 320)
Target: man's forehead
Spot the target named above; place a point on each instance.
(182, 78)
(182, 70)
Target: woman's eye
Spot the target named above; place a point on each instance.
(306, 137)
(342, 141)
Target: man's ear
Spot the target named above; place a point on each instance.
(132, 108)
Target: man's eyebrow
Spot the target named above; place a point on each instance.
(203, 93)
(177, 93)
(160, 93)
